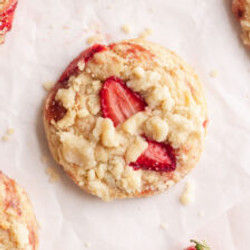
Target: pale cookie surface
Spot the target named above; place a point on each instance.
(241, 9)
(18, 226)
(106, 140)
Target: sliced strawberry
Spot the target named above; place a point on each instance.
(158, 157)
(118, 102)
(86, 55)
(6, 17)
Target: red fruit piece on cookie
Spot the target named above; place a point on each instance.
(118, 102)
(85, 56)
(158, 157)
(7, 10)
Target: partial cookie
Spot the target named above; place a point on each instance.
(126, 120)
(241, 10)
(18, 226)
(7, 10)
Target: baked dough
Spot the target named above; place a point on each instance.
(18, 226)
(241, 10)
(98, 154)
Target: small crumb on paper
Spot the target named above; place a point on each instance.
(151, 10)
(65, 27)
(10, 131)
(109, 6)
(126, 28)
(187, 197)
(95, 38)
(213, 73)
(163, 226)
(48, 85)
(201, 213)
(5, 138)
(146, 33)
(87, 244)
(53, 175)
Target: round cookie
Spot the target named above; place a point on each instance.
(241, 10)
(126, 120)
(18, 226)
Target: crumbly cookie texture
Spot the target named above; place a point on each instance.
(241, 9)
(18, 226)
(96, 153)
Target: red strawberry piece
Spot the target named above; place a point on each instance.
(158, 157)
(118, 102)
(198, 246)
(6, 17)
(205, 123)
(86, 55)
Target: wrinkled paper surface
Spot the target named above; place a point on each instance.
(46, 35)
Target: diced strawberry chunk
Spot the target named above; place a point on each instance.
(86, 55)
(158, 157)
(118, 102)
(6, 18)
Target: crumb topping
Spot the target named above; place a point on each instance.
(17, 221)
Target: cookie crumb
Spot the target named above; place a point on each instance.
(163, 226)
(139, 72)
(5, 138)
(87, 244)
(109, 6)
(126, 28)
(10, 131)
(81, 65)
(65, 27)
(48, 85)
(201, 213)
(53, 175)
(187, 197)
(151, 10)
(213, 73)
(146, 33)
(95, 38)
(81, 183)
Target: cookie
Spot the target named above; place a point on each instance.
(7, 10)
(241, 10)
(126, 120)
(18, 226)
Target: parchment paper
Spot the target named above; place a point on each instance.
(46, 35)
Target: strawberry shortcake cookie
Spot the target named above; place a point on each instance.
(126, 120)
(7, 10)
(18, 226)
(241, 10)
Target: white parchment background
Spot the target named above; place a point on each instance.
(205, 34)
